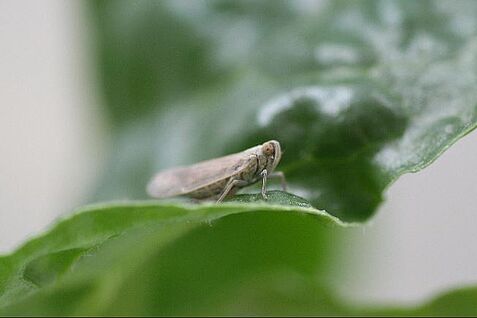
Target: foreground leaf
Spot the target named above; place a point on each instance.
(152, 258)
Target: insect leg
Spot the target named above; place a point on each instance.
(232, 183)
(264, 175)
(281, 176)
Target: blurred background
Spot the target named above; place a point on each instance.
(55, 141)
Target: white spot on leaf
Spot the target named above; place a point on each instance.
(328, 100)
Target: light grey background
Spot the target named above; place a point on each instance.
(53, 145)
(50, 128)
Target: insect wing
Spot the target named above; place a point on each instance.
(183, 180)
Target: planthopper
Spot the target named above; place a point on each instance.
(220, 177)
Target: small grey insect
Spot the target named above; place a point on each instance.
(221, 177)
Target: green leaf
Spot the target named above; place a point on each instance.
(358, 93)
(150, 258)
(457, 303)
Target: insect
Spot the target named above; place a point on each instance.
(220, 177)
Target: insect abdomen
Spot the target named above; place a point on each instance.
(215, 189)
(209, 191)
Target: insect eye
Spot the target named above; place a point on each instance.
(268, 149)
